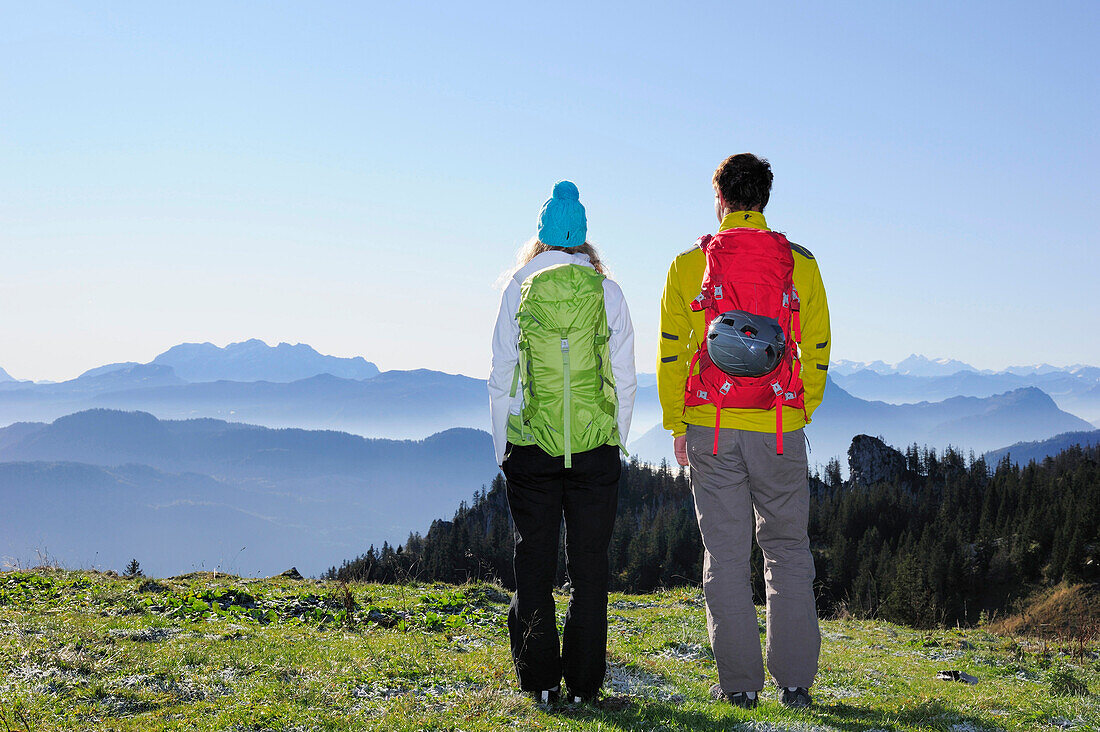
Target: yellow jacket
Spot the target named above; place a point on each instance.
(682, 330)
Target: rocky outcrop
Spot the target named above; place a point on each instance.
(871, 461)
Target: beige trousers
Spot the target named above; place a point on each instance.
(748, 486)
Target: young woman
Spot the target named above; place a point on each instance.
(561, 393)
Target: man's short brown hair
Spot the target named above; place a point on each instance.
(745, 182)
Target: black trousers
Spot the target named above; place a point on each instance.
(540, 491)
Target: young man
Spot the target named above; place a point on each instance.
(751, 473)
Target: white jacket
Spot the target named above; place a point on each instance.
(506, 348)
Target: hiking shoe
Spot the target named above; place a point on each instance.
(575, 698)
(796, 697)
(742, 699)
(546, 696)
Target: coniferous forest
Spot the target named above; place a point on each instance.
(939, 539)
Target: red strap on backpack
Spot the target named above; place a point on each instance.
(717, 425)
(779, 424)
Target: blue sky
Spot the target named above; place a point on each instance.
(357, 176)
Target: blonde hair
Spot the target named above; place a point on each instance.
(533, 247)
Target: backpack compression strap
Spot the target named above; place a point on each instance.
(778, 417)
(565, 401)
(722, 391)
(782, 396)
(792, 303)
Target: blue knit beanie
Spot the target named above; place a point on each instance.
(562, 222)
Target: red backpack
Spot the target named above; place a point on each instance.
(752, 270)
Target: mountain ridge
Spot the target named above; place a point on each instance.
(1022, 453)
(324, 490)
(255, 360)
(1076, 390)
(397, 404)
(923, 366)
(978, 423)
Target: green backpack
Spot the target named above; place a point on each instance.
(569, 401)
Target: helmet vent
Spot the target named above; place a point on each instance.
(742, 343)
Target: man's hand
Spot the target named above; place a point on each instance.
(680, 447)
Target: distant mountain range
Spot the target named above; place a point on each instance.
(181, 495)
(79, 476)
(251, 360)
(969, 423)
(916, 365)
(202, 380)
(1024, 452)
(1075, 389)
(254, 360)
(393, 404)
(276, 386)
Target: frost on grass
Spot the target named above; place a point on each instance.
(46, 679)
(837, 692)
(144, 634)
(467, 643)
(437, 697)
(186, 690)
(638, 683)
(942, 656)
(295, 728)
(623, 625)
(633, 605)
(379, 692)
(116, 705)
(685, 652)
(755, 726)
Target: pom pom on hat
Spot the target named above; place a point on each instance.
(566, 190)
(562, 221)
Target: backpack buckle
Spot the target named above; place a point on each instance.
(789, 396)
(725, 388)
(718, 292)
(777, 388)
(565, 344)
(786, 299)
(701, 394)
